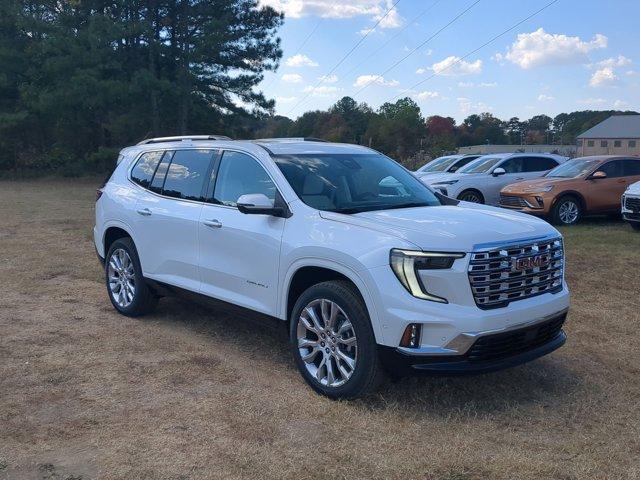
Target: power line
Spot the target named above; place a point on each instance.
(304, 42)
(344, 57)
(414, 20)
(529, 17)
(451, 22)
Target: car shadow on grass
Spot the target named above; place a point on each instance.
(544, 383)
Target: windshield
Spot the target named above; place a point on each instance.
(348, 183)
(439, 164)
(481, 165)
(573, 168)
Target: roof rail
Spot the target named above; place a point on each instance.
(291, 139)
(183, 138)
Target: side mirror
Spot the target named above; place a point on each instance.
(599, 174)
(498, 171)
(259, 204)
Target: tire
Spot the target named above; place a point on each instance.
(635, 226)
(473, 196)
(351, 337)
(567, 211)
(123, 273)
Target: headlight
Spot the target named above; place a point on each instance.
(448, 182)
(545, 189)
(406, 263)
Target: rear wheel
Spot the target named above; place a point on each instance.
(126, 286)
(472, 196)
(333, 343)
(567, 211)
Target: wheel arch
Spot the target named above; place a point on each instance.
(571, 193)
(113, 232)
(473, 189)
(306, 273)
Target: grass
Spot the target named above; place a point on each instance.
(189, 392)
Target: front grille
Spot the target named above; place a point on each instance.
(502, 345)
(512, 201)
(632, 203)
(502, 275)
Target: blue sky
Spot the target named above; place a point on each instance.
(575, 55)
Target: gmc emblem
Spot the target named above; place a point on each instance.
(530, 262)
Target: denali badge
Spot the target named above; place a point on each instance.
(530, 262)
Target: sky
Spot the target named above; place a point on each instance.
(574, 55)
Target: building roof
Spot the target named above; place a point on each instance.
(616, 126)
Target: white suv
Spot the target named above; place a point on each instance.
(481, 180)
(374, 272)
(631, 205)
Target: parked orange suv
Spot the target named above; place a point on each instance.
(581, 186)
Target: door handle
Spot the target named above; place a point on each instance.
(212, 223)
(145, 212)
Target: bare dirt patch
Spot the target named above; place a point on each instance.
(191, 392)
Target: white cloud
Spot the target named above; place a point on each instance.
(421, 71)
(321, 91)
(373, 9)
(455, 66)
(428, 95)
(613, 62)
(601, 77)
(285, 99)
(291, 78)
(591, 101)
(328, 79)
(545, 98)
(468, 107)
(541, 48)
(620, 104)
(631, 73)
(300, 60)
(479, 85)
(363, 80)
(365, 31)
(429, 52)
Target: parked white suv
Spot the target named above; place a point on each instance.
(631, 205)
(481, 180)
(373, 271)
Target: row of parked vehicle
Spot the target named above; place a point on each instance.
(560, 189)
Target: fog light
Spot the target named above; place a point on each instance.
(540, 201)
(411, 336)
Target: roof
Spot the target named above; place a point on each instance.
(275, 146)
(616, 126)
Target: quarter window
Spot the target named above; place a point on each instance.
(187, 173)
(145, 167)
(238, 175)
(161, 172)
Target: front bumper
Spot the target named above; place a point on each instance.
(533, 203)
(631, 213)
(487, 352)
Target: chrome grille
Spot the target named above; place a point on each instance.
(512, 201)
(632, 203)
(505, 274)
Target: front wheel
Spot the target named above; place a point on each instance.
(567, 211)
(333, 343)
(472, 196)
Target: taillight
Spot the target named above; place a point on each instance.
(98, 194)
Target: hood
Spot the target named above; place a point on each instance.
(431, 174)
(536, 182)
(450, 228)
(447, 177)
(634, 188)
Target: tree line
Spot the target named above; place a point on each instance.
(79, 79)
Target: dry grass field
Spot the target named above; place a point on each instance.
(191, 393)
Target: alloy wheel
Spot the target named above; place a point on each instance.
(568, 212)
(121, 274)
(327, 342)
(471, 197)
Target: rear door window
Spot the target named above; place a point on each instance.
(539, 164)
(185, 178)
(145, 167)
(632, 167)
